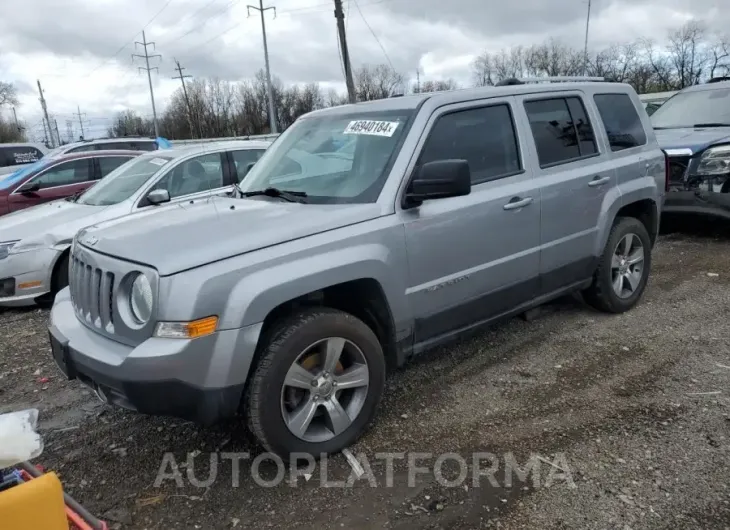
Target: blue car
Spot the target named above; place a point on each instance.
(693, 128)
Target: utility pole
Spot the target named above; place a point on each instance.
(45, 114)
(585, 47)
(340, 16)
(81, 123)
(182, 78)
(58, 136)
(45, 132)
(69, 131)
(418, 80)
(269, 88)
(146, 58)
(17, 123)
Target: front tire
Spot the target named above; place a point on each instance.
(317, 384)
(623, 268)
(59, 281)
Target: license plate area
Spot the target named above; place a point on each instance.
(60, 355)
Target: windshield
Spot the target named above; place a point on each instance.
(333, 158)
(687, 109)
(121, 183)
(9, 180)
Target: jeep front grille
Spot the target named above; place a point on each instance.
(92, 292)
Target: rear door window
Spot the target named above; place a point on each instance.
(65, 174)
(621, 121)
(561, 129)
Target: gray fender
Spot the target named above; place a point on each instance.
(258, 293)
(619, 196)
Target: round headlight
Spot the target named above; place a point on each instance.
(140, 299)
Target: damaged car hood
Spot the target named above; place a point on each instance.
(57, 221)
(694, 139)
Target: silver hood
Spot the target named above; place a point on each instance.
(53, 222)
(182, 237)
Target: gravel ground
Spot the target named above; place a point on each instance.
(624, 419)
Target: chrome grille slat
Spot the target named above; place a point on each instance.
(92, 290)
(95, 291)
(105, 301)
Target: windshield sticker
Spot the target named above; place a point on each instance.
(375, 128)
(159, 161)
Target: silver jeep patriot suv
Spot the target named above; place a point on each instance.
(366, 234)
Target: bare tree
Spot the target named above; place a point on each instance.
(129, 123)
(482, 69)
(719, 60)
(436, 86)
(8, 94)
(377, 82)
(687, 53)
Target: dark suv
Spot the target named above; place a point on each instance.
(693, 128)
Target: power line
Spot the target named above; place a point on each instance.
(129, 41)
(201, 23)
(374, 35)
(313, 8)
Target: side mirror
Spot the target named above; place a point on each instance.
(438, 180)
(29, 187)
(158, 196)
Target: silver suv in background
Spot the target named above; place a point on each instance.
(34, 242)
(423, 217)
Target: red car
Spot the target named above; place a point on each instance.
(52, 178)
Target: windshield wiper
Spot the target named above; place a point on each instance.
(291, 196)
(75, 196)
(711, 124)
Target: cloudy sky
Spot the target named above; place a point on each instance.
(81, 50)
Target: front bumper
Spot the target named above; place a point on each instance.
(698, 202)
(30, 273)
(199, 380)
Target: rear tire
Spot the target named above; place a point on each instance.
(338, 403)
(617, 285)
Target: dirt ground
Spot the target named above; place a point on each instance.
(625, 420)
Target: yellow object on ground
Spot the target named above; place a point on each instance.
(33, 505)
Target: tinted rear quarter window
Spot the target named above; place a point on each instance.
(621, 121)
(83, 148)
(143, 146)
(485, 137)
(22, 154)
(561, 129)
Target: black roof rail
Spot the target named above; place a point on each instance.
(509, 82)
(719, 79)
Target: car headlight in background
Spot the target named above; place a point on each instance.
(140, 299)
(715, 162)
(5, 248)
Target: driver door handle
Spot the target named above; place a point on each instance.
(517, 202)
(598, 181)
